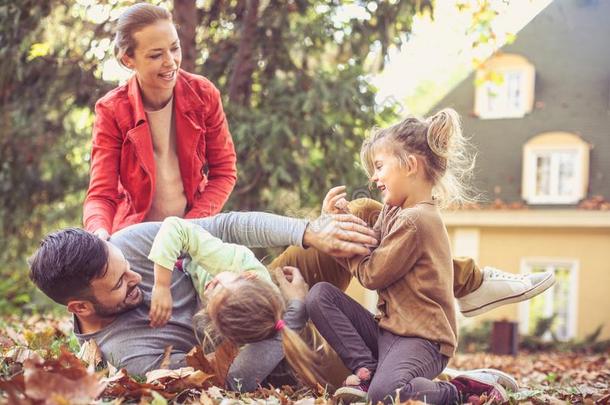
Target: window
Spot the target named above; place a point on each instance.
(504, 99)
(505, 87)
(555, 169)
(559, 300)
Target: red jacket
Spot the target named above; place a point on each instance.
(122, 161)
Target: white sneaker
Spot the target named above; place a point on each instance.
(487, 374)
(501, 288)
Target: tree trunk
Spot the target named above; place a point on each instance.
(241, 78)
(185, 16)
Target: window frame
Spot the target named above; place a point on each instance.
(553, 197)
(505, 65)
(551, 263)
(504, 98)
(550, 143)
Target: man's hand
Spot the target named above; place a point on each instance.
(335, 202)
(160, 306)
(339, 235)
(291, 282)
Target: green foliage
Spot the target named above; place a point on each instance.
(308, 94)
(475, 339)
(46, 89)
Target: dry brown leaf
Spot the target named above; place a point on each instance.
(90, 353)
(21, 354)
(215, 392)
(116, 376)
(197, 380)
(223, 357)
(65, 379)
(167, 353)
(17, 338)
(205, 399)
(216, 363)
(128, 388)
(112, 370)
(197, 359)
(603, 400)
(14, 387)
(548, 400)
(6, 342)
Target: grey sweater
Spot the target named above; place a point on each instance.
(130, 342)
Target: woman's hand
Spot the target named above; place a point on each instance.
(102, 234)
(291, 282)
(335, 202)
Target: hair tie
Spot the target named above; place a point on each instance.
(279, 325)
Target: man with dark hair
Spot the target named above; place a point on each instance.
(73, 267)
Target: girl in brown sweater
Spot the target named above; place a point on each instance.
(418, 165)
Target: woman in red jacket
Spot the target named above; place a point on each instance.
(161, 143)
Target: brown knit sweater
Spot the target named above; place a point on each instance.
(412, 271)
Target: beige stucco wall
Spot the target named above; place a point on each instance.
(506, 247)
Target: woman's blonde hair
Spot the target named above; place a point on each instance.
(249, 313)
(444, 149)
(132, 20)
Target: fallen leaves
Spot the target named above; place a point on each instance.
(90, 353)
(47, 375)
(551, 378)
(61, 381)
(216, 363)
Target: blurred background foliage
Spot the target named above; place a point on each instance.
(295, 76)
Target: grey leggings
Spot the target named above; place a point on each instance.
(403, 365)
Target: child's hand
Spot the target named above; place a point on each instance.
(248, 275)
(160, 306)
(335, 202)
(291, 282)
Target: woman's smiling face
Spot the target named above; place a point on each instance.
(157, 56)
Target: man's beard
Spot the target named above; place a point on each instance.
(109, 312)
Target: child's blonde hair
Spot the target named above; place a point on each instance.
(250, 313)
(440, 142)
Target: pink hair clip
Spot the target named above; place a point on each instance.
(279, 325)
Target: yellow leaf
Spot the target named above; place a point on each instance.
(39, 49)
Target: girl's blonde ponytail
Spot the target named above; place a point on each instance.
(454, 164)
(301, 358)
(443, 128)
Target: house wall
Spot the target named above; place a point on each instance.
(505, 248)
(567, 44)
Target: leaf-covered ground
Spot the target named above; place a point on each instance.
(41, 364)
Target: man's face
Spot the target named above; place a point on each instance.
(117, 291)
